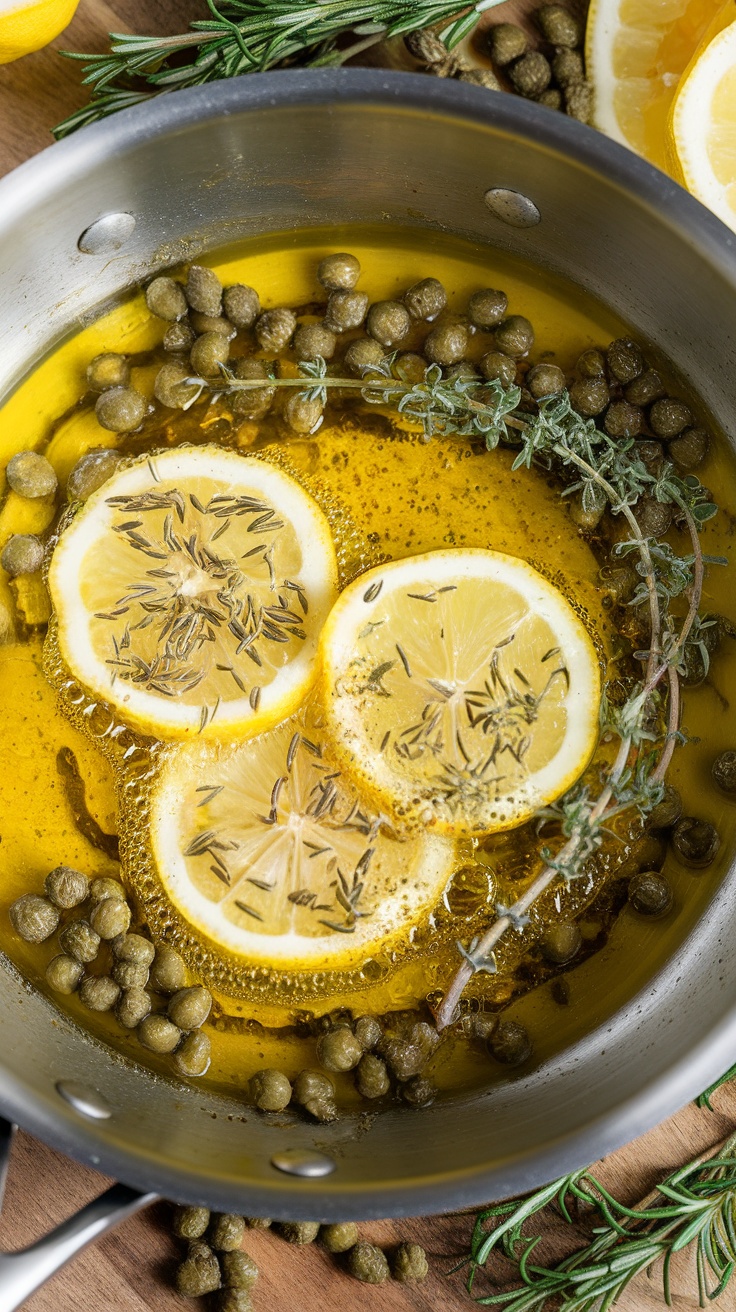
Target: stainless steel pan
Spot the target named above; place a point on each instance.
(202, 168)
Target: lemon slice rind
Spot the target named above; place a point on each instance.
(694, 129)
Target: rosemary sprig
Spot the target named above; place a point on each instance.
(251, 36)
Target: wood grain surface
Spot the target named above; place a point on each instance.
(131, 1269)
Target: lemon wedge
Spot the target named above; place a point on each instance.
(190, 591)
(267, 852)
(703, 126)
(25, 27)
(460, 689)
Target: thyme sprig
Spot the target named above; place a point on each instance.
(252, 36)
(694, 1205)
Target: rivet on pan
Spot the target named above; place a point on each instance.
(87, 1102)
(107, 234)
(511, 207)
(304, 1162)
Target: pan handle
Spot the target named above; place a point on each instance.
(21, 1273)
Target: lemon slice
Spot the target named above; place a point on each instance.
(703, 126)
(190, 592)
(636, 53)
(460, 688)
(27, 25)
(266, 850)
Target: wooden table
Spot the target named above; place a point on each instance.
(130, 1270)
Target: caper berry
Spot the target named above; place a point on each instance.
(410, 367)
(625, 360)
(121, 409)
(303, 413)
(80, 941)
(418, 1091)
(189, 1008)
(669, 417)
(487, 307)
(314, 1092)
(667, 812)
(425, 299)
(226, 1232)
(371, 1076)
(368, 1263)
(589, 396)
(168, 972)
(530, 75)
(129, 975)
(567, 67)
(312, 340)
(339, 272)
(90, 472)
(558, 26)
(298, 1232)
(241, 305)
(233, 1300)
(64, 974)
(506, 42)
(368, 1031)
(405, 1059)
(132, 1007)
(695, 842)
(108, 370)
(645, 389)
(199, 1273)
(208, 353)
(723, 771)
(134, 948)
(190, 1222)
(510, 1044)
(255, 402)
(551, 98)
(409, 1263)
(363, 355)
(560, 942)
(212, 323)
(34, 918)
(650, 453)
(110, 917)
(31, 475)
(388, 322)
(165, 298)
(497, 365)
(426, 46)
(275, 329)
(339, 1237)
(339, 1050)
(270, 1090)
(447, 343)
(579, 101)
(623, 420)
(545, 380)
(99, 992)
(158, 1033)
(650, 893)
(689, 449)
(346, 310)
(179, 337)
(104, 887)
(204, 290)
(515, 336)
(193, 1056)
(22, 554)
(66, 887)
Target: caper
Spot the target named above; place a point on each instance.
(667, 811)
(104, 887)
(425, 299)
(108, 370)
(510, 1044)
(241, 304)
(487, 307)
(650, 893)
(233, 1300)
(129, 975)
(226, 1232)
(404, 1058)
(531, 74)
(425, 46)
(418, 1091)
(204, 290)
(158, 1033)
(410, 367)
(314, 1092)
(368, 1031)
(388, 322)
(34, 918)
(239, 1271)
(560, 942)
(190, 1222)
(653, 517)
(368, 1263)
(479, 77)
(497, 365)
(363, 355)
(425, 1037)
(99, 992)
(371, 1076)
(579, 101)
(409, 1263)
(208, 353)
(645, 389)
(339, 1237)
(592, 363)
(650, 453)
(447, 343)
(134, 948)
(64, 974)
(165, 298)
(339, 272)
(132, 1007)
(551, 98)
(212, 323)
(689, 449)
(481, 1025)
(189, 1008)
(121, 409)
(31, 475)
(545, 380)
(723, 771)
(304, 413)
(586, 514)
(80, 941)
(258, 1222)
(558, 26)
(90, 472)
(669, 417)
(339, 1050)
(507, 42)
(270, 1090)
(298, 1232)
(623, 420)
(199, 1273)
(168, 972)
(275, 329)
(179, 337)
(625, 360)
(110, 917)
(567, 67)
(515, 336)
(193, 1056)
(66, 887)
(254, 402)
(695, 842)
(312, 340)
(589, 396)
(346, 310)
(22, 554)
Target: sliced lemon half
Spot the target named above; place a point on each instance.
(266, 850)
(460, 689)
(702, 130)
(190, 592)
